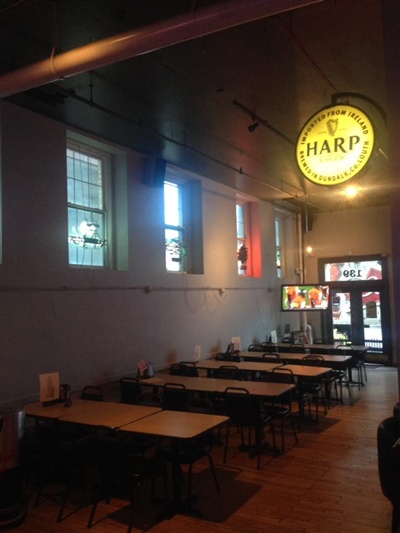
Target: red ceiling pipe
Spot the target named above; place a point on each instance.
(136, 42)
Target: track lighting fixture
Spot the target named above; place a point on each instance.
(253, 126)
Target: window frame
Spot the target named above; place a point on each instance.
(105, 211)
(178, 249)
(251, 239)
(242, 239)
(192, 222)
(279, 245)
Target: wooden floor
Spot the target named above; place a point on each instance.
(328, 482)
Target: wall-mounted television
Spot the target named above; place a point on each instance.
(310, 297)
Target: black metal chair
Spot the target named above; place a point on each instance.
(244, 413)
(357, 363)
(255, 348)
(388, 435)
(281, 408)
(340, 379)
(130, 390)
(92, 393)
(269, 347)
(217, 398)
(231, 357)
(227, 372)
(318, 389)
(175, 397)
(297, 348)
(271, 357)
(184, 368)
(121, 475)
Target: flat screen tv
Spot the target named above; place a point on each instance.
(310, 297)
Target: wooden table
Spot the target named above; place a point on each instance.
(177, 426)
(333, 360)
(338, 362)
(90, 413)
(308, 371)
(242, 366)
(56, 410)
(314, 348)
(110, 414)
(213, 385)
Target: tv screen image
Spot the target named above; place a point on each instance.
(310, 297)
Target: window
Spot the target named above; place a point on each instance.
(278, 244)
(183, 224)
(248, 241)
(242, 245)
(87, 215)
(175, 249)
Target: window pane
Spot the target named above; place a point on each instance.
(85, 237)
(277, 232)
(174, 251)
(175, 248)
(84, 180)
(173, 215)
(86, 215)
(240, 221)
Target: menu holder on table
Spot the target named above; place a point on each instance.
(145, 370)
(49, 388)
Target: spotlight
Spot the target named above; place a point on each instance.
(351, 191)
(253, 127)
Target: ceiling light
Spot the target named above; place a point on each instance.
(351, 191)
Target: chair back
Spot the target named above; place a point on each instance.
(111, 461)
(281, 375)
(297, 348)
(268, 347)
(175, 397)
(389, 459)
(255, 348)
(92, 393)
(235, 357)
(271, 358)
(313, 360)
(184, 368)
(345, 349)
(241, 408)
(227, 372)
(130, 390)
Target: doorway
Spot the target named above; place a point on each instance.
(359, 303)
(356, 317)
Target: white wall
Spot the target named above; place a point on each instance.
(348, 232)
(93, 326)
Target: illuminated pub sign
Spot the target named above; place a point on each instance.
(335, 144)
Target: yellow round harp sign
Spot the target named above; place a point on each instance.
(335, 144)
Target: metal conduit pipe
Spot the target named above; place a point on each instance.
(136, 42)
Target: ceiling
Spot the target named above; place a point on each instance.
(191, 102)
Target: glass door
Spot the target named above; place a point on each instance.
(360, 310)
(372, 323)
(341, 317)
(356, 317)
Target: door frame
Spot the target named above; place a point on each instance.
(359, 286)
